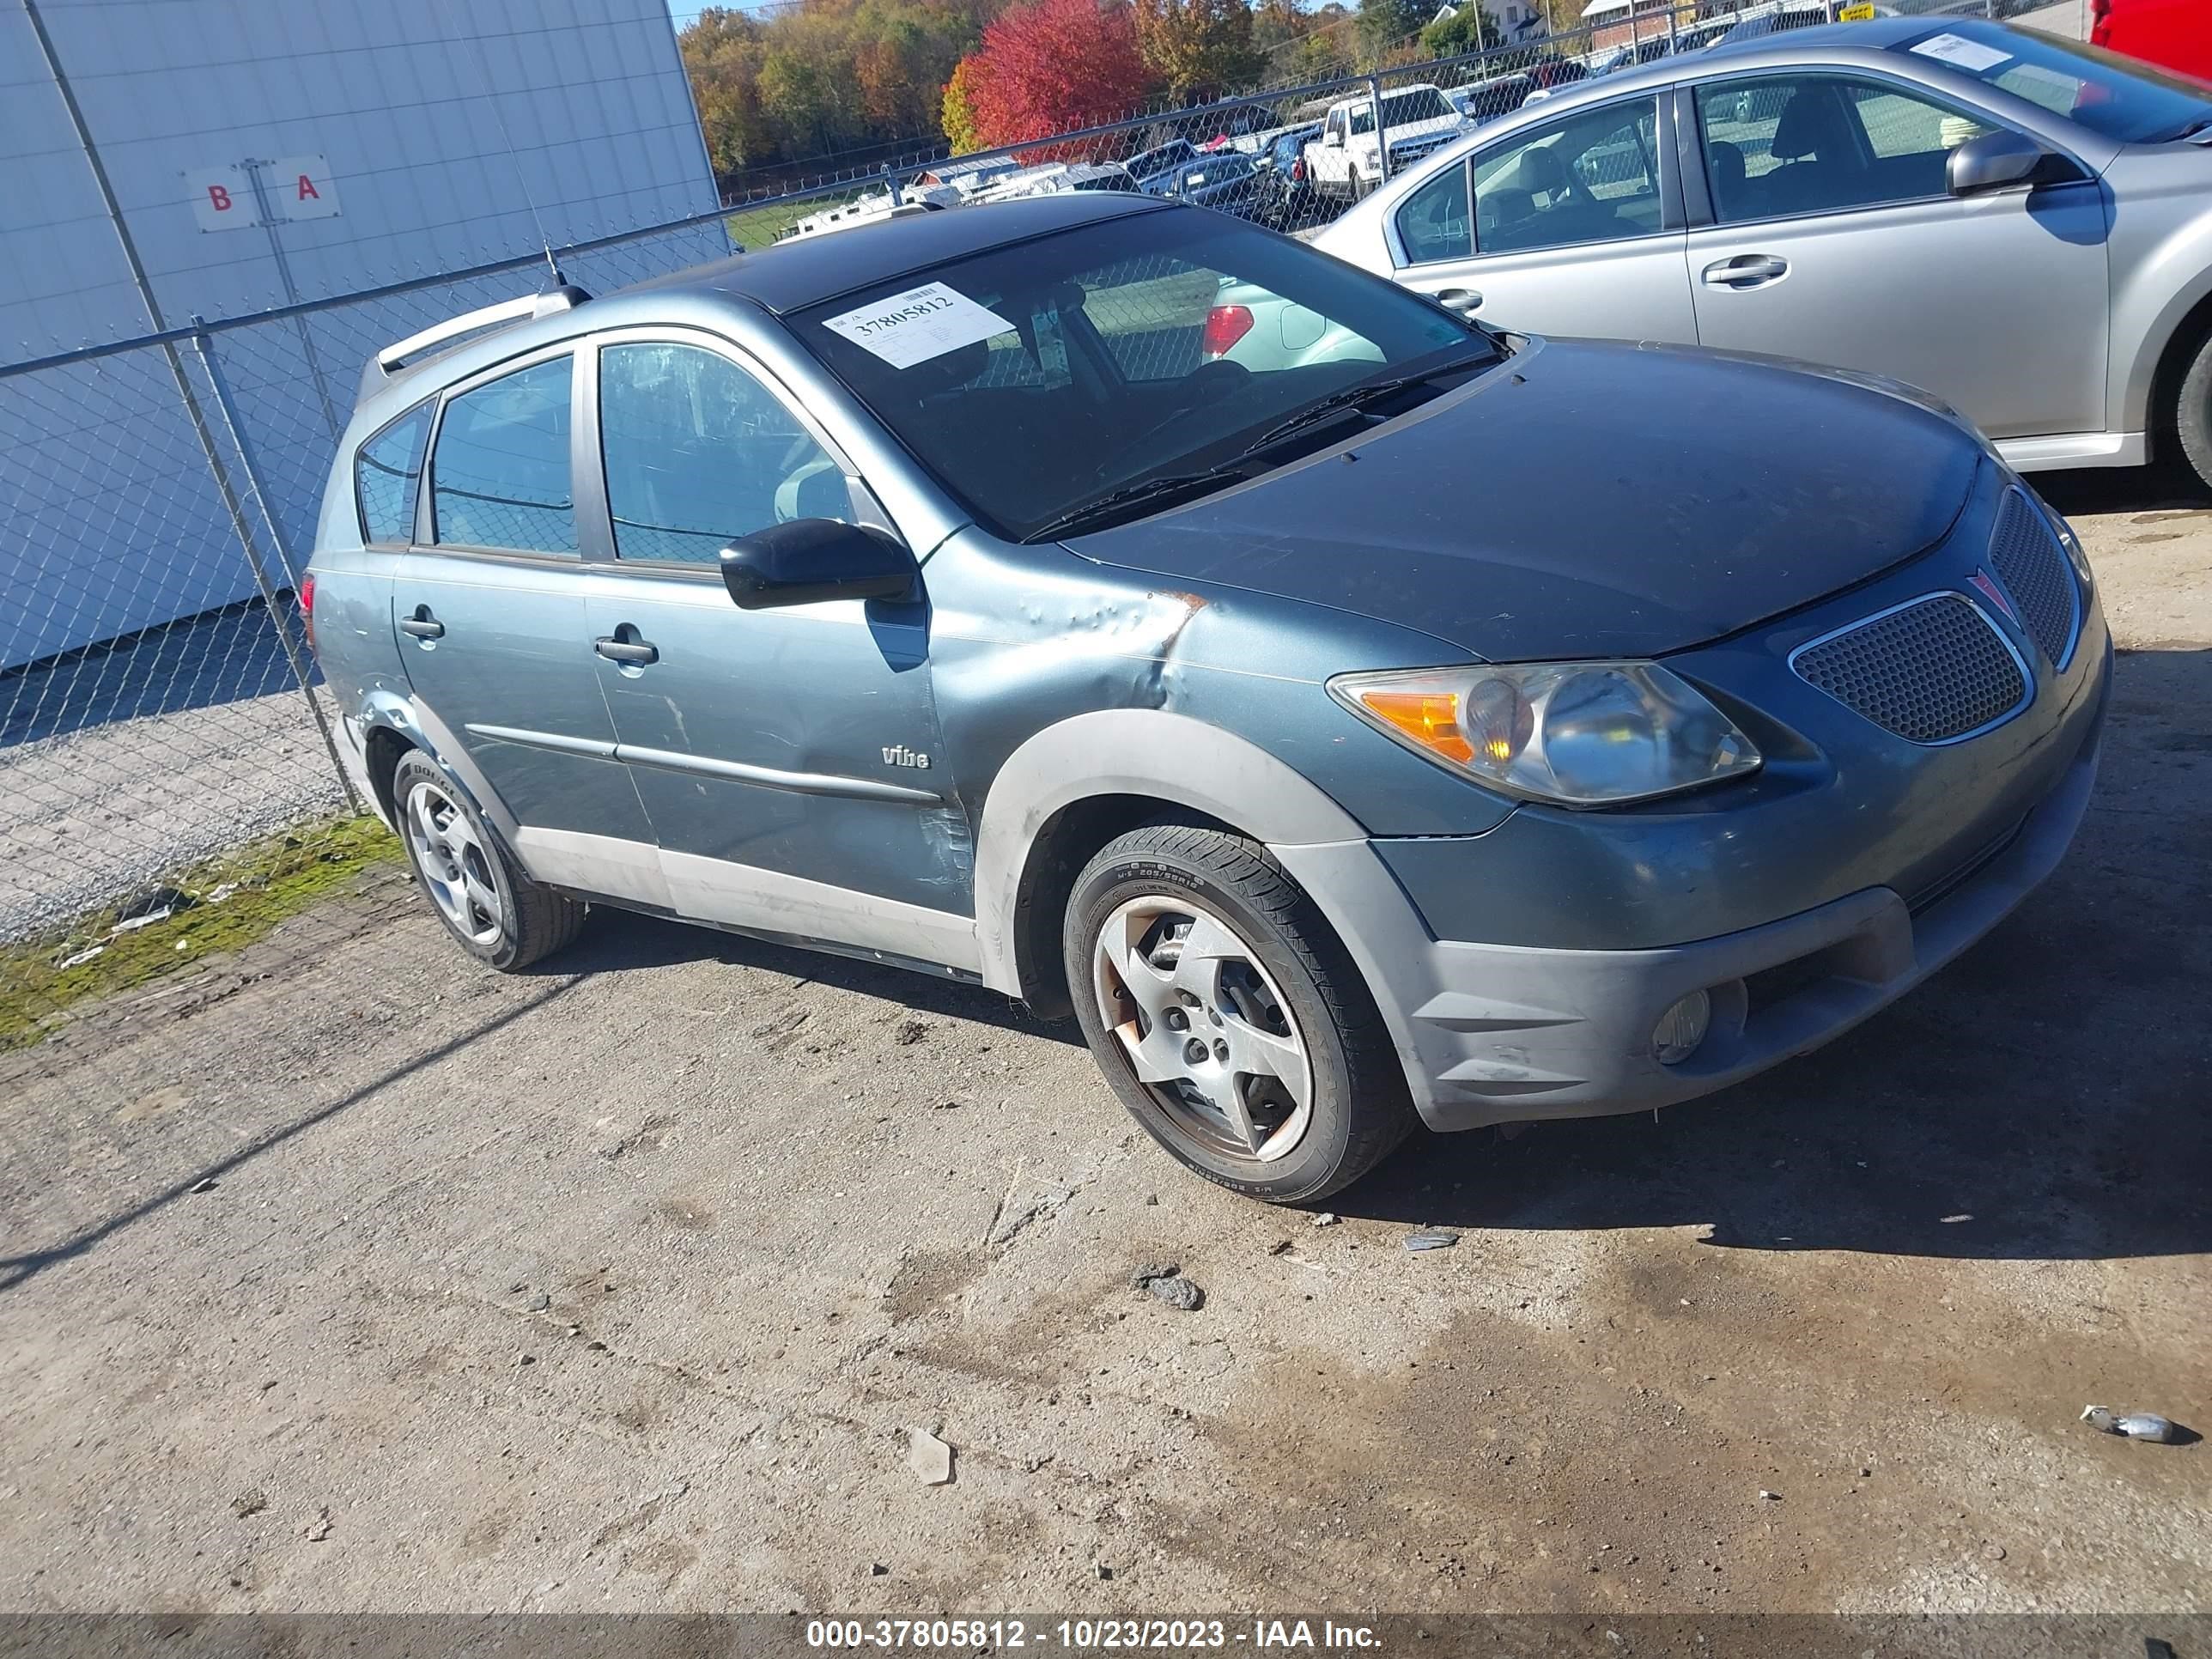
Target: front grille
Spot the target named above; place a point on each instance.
(2025, 552)
(1931, 671)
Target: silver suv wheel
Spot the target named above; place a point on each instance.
(456, 868)
(1204, 1027)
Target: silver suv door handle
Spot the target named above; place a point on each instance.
(1746, 270)
(636, 651)
(423, 625)
(1463, 302)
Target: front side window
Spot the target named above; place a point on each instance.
(499, 475)
(386, 474)
(1593, 177)
(1782, 145)
(1434, 223)
(698, 453)
(1035, 378)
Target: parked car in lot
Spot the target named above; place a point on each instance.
(2021, 225)
(1458, 728)
(2175, 34)
(1346, 161)
(1227, 180)
(1154, 169)
(1287, 199)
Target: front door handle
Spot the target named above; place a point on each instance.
(1461, 301)
(634, 653)
(423, 625)
(1746, 270)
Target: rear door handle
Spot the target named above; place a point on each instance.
(1745, 271)
(423, 625)
(1461, 301)
(634, 653)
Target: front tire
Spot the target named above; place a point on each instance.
(2192, 414)
(486, 901)
(1227, 1017)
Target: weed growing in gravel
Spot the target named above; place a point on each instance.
(228, 903)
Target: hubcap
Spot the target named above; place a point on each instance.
(1204, 1027)
(455, 868)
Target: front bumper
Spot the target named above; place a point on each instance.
(1499, 1033)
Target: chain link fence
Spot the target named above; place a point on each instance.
(169, 790)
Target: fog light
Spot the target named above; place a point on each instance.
(1681, 1028)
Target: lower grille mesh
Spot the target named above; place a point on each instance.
(1930, 671)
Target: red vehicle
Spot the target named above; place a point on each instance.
(2174, 33)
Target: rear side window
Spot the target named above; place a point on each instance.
(386, 472)
(1435, 223)
(1591, 178)
(499, 477)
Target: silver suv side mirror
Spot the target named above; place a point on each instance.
(1993, 160)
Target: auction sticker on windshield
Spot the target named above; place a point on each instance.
(922, 323)
(1970, 55)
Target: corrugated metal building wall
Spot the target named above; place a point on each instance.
(432, 134)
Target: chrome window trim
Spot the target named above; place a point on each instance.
(2020, 662)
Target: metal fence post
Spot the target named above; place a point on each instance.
(303, 670)
(1382, 134)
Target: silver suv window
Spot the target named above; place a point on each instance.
(385, 475)
(499, 475)
(1780, 146)
(698, 453)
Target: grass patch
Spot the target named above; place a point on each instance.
(259, 885)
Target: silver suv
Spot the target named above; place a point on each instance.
(1325, 733)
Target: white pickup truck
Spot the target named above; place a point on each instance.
(1346, 160)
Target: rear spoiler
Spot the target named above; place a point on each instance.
(556, 297)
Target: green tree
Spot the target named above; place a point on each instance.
(1469, 28)
(1198, 46)
(721, 54)
(1386, 25)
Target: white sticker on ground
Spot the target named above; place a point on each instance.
(922, 323)
(1969, 55)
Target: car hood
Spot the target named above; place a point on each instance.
(1586, 500)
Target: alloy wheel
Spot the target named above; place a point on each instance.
(1204, 1027)
(455, 866)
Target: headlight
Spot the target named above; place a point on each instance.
(1578, 733)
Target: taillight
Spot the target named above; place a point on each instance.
(1225, 326)
(308, 608)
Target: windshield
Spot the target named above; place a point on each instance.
(1426, 103)
(2122, 99)
(1036, 377)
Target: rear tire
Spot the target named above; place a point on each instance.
(1227, 1017)
(484, 897)
(2192, 413)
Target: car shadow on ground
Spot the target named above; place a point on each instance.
(2167, 486)
(2043, 1097)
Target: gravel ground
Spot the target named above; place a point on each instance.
(355, 1278)
(119, 767)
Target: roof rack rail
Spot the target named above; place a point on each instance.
(555, 297)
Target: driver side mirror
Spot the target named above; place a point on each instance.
(1995, 161)
(1333, 139)
(809, 560)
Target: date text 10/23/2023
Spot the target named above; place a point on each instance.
(1084, 1635)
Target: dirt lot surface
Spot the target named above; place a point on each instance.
(367, 1280)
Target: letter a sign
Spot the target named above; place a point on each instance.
(300, 187)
